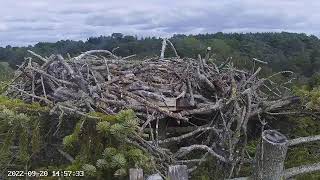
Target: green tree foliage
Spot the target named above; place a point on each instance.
(99, 146)
(101, 149)
(19, 127)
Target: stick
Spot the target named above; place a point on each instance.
(301, 140)
(163, 49)
(301, 170)
(38, 56)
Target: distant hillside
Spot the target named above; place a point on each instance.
(283, 51)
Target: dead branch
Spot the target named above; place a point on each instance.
(301, 170)
(186, 150)
(301, 140)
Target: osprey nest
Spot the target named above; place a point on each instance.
(205, 105)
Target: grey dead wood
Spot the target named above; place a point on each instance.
(135, 174)
(270, 156)
(178, 172)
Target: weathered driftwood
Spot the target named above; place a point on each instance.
(270, 156)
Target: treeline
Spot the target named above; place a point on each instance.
(283, 51)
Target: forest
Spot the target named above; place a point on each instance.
(290, 51)
(65, 107)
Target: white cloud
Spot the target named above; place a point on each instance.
(3, 27)
(25, 22)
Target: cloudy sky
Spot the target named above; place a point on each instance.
(24, 22)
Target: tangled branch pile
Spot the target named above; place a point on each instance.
(211, 103)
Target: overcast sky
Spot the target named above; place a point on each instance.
(24, 22)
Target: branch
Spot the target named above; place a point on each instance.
(92, 52)
(179, 138)
(66, 155)
(259, 61)
(186, 150)
(303, 140)
(163, 49)
(38, 56)
(301, 170)
(210, 107)
(52, 77)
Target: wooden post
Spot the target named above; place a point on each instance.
(136, 174)
(270, 156)
(178, 172)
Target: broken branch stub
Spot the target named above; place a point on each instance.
(270, 156)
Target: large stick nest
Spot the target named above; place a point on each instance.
(156, 89)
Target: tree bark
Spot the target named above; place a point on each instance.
(271, 153)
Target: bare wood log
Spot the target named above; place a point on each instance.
(270, 156)
(297, 141)
(135, 174)
(178, 172)
(108, 71)
(177, 129)
(288, 173)
(38, 56)
(66, 155)
(259, 61)
(43, 87)
(163, 49)
(127, 57)
(185, 150)
(92, 52)
(179, 138)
